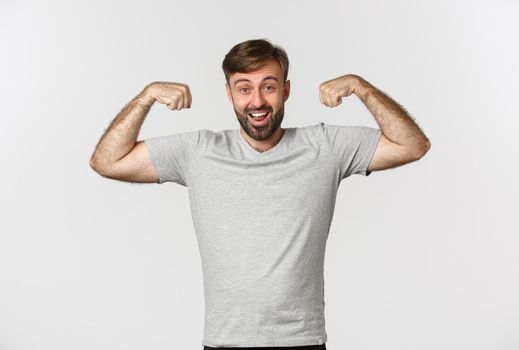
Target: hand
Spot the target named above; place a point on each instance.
(332, 91)
(174, 95)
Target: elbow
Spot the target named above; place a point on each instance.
(424, 147)
(98, 166)
(427, 146)
(94, 164)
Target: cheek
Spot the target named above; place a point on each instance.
(276, 101)
(240, 106)
(239, 103)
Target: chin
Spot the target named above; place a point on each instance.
(264, 132)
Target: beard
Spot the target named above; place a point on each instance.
(264, 132)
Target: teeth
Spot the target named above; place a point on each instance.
(255, 115)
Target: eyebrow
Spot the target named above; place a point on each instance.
(247, 80)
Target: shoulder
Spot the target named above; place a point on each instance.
(209, 137)
(308, 130)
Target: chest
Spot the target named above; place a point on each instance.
(298, 182)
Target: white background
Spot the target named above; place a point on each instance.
(423, 256)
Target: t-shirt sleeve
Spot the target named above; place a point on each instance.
(353, 146)
(172, 156)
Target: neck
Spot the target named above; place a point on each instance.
(264, 145)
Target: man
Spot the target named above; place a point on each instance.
(262, 196)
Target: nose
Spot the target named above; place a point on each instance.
(257, 100)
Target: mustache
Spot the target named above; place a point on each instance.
(261, 109)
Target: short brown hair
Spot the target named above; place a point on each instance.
(251, 55)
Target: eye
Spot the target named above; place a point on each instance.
(243, 90)
(269, 88)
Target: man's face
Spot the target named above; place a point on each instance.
(261, 91)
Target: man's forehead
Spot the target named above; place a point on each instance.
(268, 71)
(248, 79)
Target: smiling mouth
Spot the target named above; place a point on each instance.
(259, 115)
(259, 119)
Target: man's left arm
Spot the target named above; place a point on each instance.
(401, 141)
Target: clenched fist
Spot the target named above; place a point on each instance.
(332, 91)
(174, 95)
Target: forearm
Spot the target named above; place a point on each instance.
(393, 120)
(121, 135)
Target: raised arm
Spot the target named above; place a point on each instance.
(118, 155)
(401, 141)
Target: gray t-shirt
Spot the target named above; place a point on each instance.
(262, 221)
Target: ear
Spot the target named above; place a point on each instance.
(286, 90)
(229, 95)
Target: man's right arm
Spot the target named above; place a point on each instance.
(118, 155)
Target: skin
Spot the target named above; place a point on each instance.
(113, 151)
(118, 154)
(401, 142)
(261, 90)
